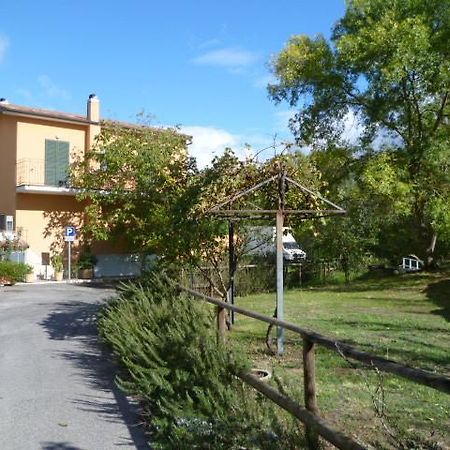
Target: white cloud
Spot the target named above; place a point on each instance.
(231, 58)
(282, 119)
(208, 142)
(353, 129)
(51, 89)
(262, 81)
(4, 45)
(208, 44)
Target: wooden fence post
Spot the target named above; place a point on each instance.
(309, 377)
(221, 324)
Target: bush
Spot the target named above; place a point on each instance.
(86, 260)
(57, 263)
(11, 272)
(255, 275)
(186, 381)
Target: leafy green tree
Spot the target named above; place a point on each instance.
(373, 190)
(141, 187)
(135, 181)
(387, 65)
(349, 239)
(229, 182)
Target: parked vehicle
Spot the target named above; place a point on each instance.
(262, 241)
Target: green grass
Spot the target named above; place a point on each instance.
(405, 318)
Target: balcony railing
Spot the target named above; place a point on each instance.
(33, 172)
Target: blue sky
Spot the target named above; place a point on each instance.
(203, 65)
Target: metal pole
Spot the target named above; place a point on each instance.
(231, 267)
(279, 236)
(280, 299)
(69, 262)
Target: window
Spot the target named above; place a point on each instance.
(56, 162)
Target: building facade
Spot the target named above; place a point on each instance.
(36, 199)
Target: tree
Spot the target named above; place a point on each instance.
(228, 176)
(135, 180)
(142, 189)
(387, 65)
(140, 186)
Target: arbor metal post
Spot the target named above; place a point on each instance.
(279, 237)
(225, 210)
(280, 287)
(231, 267)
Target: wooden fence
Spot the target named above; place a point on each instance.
(315, 425)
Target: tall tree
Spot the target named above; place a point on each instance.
(135, 181)
(387, 66)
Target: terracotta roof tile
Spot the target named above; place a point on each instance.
(51, 114)
(44, 113)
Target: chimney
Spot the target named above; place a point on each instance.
(93, 108)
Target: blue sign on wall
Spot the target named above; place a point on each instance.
(70, 233)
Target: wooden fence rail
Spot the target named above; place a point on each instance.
(309, 415)
(312, 421)
(420, 376)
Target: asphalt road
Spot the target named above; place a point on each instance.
(57, 388)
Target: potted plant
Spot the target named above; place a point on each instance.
(85, 264)
(12, 272)
(57, 263)
(29, 275)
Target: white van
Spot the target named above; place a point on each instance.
(262, 241)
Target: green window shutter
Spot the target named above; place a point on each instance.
(50, 162)
(56, 162)
(62, 163)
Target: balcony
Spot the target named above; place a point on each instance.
(35, 178)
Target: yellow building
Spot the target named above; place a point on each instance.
(36, 200)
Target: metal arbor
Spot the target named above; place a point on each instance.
(225, 210)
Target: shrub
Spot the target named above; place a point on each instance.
(86, 260)
(186, 381)
(11, 272)
(255, 274)
(57, 263)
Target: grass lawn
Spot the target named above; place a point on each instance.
(405, 318)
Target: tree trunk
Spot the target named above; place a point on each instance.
(430, 262)
(428, 235)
